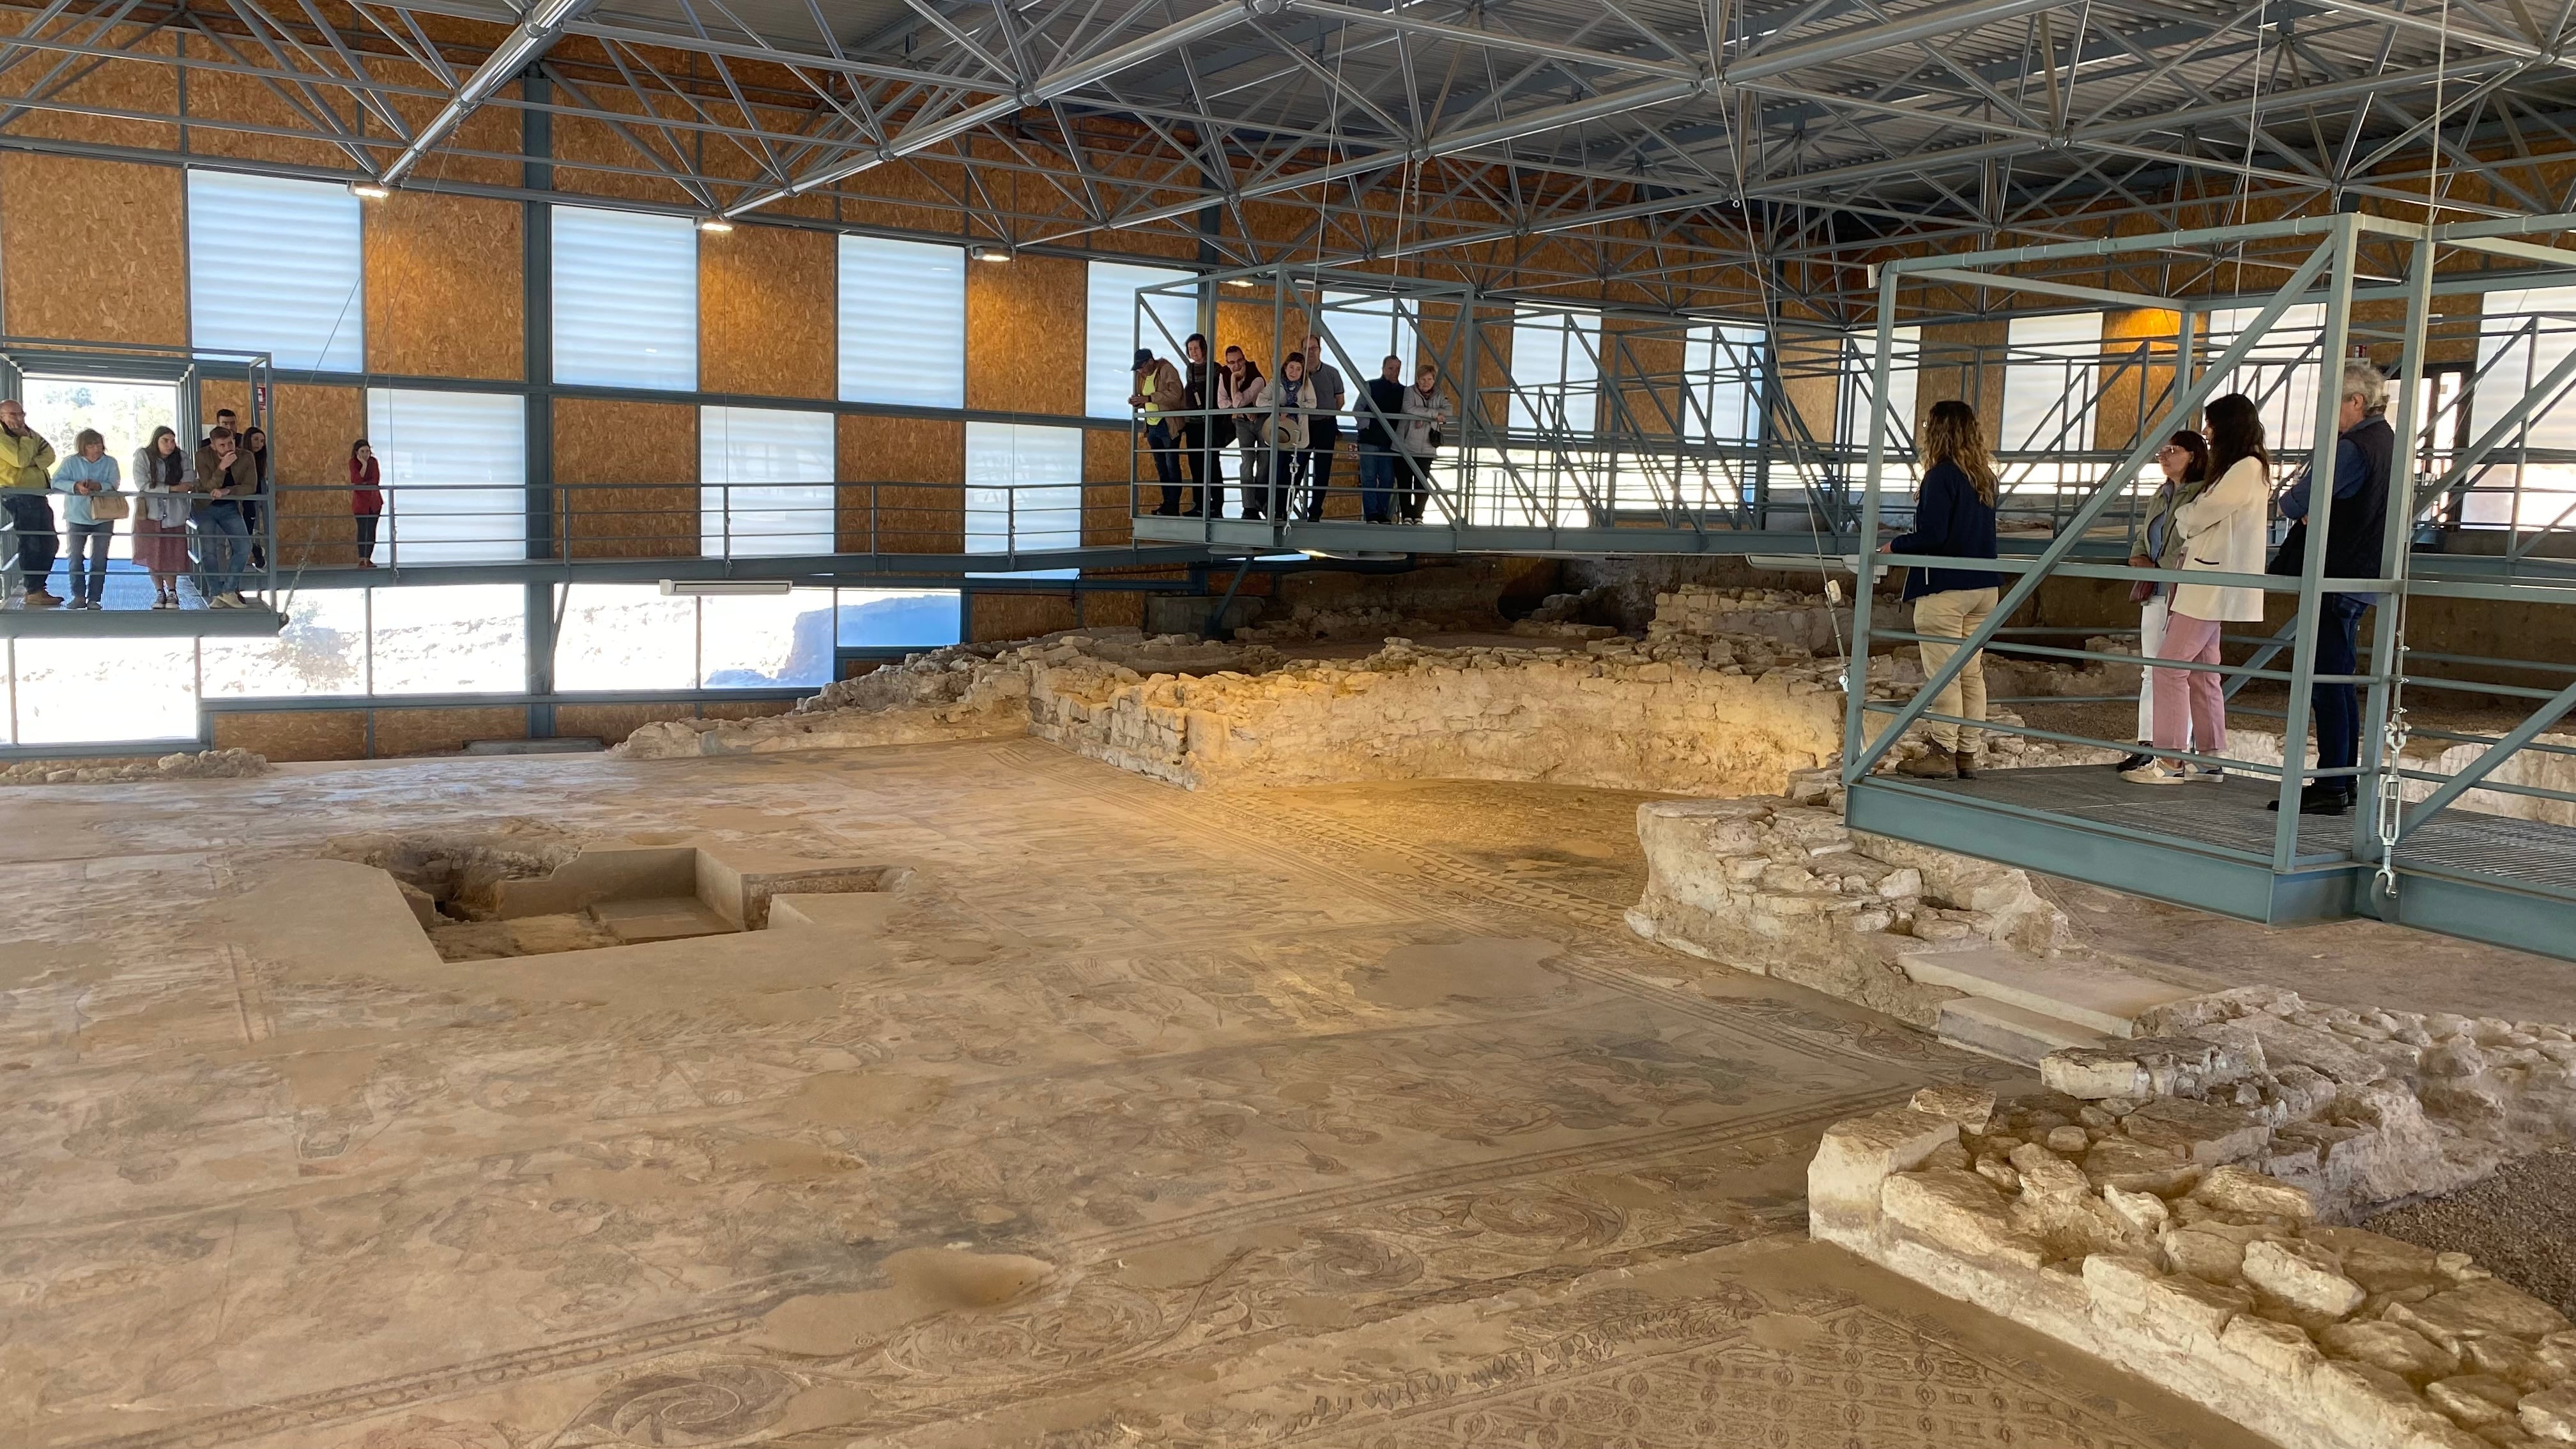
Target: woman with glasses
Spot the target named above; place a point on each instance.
(2185, 461)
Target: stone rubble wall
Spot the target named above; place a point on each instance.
(184, 765)
(1713, 716)
(1781, 887)
(1806, 621)
(2172, 1204)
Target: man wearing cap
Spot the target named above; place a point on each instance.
(1159, 392)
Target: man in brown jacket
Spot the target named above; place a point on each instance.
(27, 483)
(1160, 393)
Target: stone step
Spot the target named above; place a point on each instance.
(2012, 1033)
(2104, 998)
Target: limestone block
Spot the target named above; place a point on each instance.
(2306, 1277)
(2045, 1174)
(2212, 1251)
(2394, 1347)
(2281, 1350)
(1970, 1107)
(2233, 1189)
(1856, 1157)
(1961, 1212)
(2368, 1404)
(2483, 1308)
(2123, 1162)
(2550, 1416)
(2474, 1400)
(2187, 1016)
(2515, 1363)
(2200, 1131)
(2146, 1067)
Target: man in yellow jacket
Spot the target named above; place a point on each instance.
(26, 488)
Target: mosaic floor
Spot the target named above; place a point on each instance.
(1325, 1117)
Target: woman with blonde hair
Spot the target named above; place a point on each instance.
(2218, 531)
(1954, 517)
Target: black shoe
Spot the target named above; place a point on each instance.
(2318, 800)
(2132, 762)
(1965, 762)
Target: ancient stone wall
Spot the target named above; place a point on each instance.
(1782, 888)
(2172, 1206)
(184, 765)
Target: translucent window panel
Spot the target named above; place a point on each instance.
(1370, 330)
(900, 618)
(1724, 367)
(2051, 375)
(626, 636)
(1556, 371)
(275, 266)
(1114, 330)
(764, 482)
(2280, 374)
(903, 322)
(2521, 337)
(762, 640)
(1023, 487)
(455, 473)
(452, 639)
(625, 299)
(322, 650)
(93, 691)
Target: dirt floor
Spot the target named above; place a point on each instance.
(2521, 1223)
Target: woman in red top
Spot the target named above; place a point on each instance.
(366, 503)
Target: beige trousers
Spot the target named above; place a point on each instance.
(1954, 614)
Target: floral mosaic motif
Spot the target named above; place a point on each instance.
(718, 1404)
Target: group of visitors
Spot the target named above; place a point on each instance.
(198, 515)
(1289, 429)
(2209, 516)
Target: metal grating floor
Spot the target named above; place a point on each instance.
(2228, 814)
(2527, 853)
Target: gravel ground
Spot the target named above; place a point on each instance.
(2521, 1223)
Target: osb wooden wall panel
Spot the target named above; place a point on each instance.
(310, 429)
(2128, 391)
(745, 709)
(93, 249)
(122, 85)
(1950, 374)
(215, 97)
(612, 723)
(1812, 390)
(1017, 616)
(627, 476)
(445, 731)
(902, 484)
(766, 312)
(443, 286)
(1024, 331)
(1105, 519)
(1113, 611)
(336, 734)
(910, 195)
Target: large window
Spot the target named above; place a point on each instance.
(903, 323)
(1724, 367)
(455, 473)
(1023, 488)
(1370, 330)
(900, 618)
(764, 482)
(321, 651)
(1112, 334)
(622, 637)
(2522, 337)
(453, 639)
(2052, 373)
(1556, 371)
(2280, 374)
(95, 691)
(625, 299)
(276, 266)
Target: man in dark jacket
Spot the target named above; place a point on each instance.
(2356, 529)
(1377, 441)
(1323, 429)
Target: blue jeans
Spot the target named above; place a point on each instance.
(223, 551)
(1377, 483)
(89, 546)
(1167, 464)
(2337, 707)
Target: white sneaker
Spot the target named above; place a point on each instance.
(2154, 772)
(2203, 774)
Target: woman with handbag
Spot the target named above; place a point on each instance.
(90, 477)
(165, 475)
(1417, 441)
(1284, 403)
(2185, 461)
(2219, 531)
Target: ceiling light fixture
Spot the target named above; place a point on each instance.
(714, 223)
(370, 190)
(989, 254)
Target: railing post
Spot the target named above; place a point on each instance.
(1856, 663)
(2387, 661)
(2345, 241)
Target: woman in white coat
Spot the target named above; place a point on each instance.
(2220, 531)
